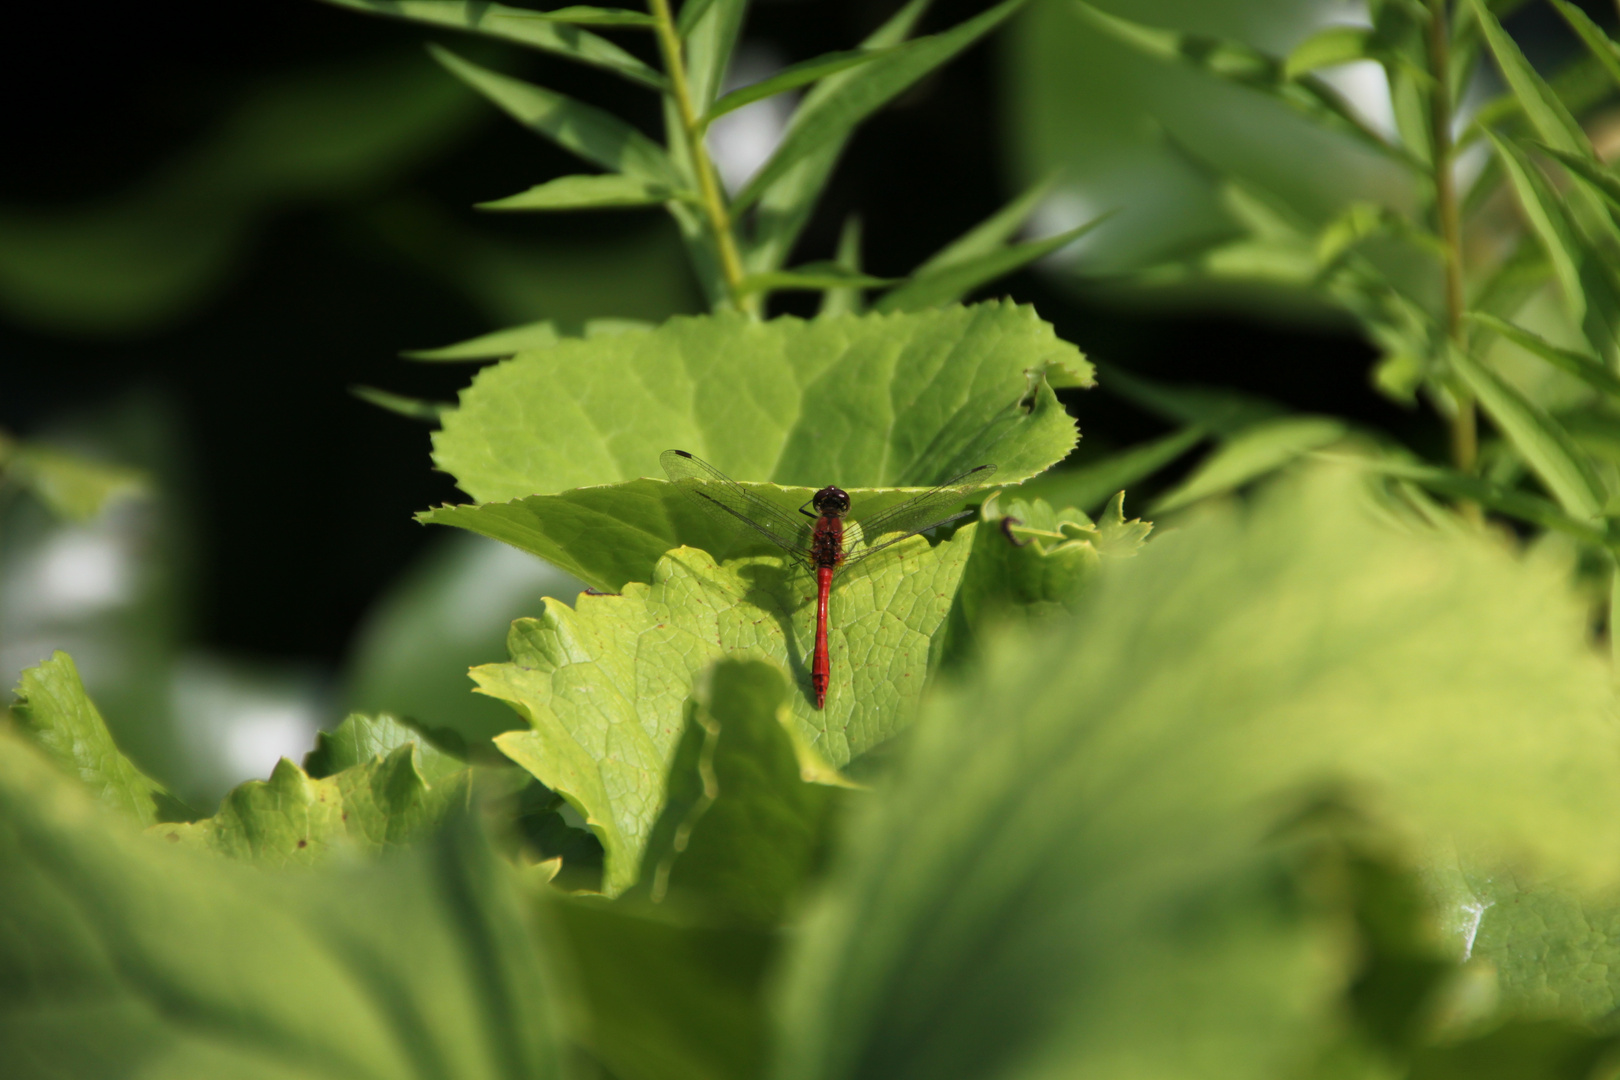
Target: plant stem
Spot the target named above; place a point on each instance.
(714, 203)
(1464, 431)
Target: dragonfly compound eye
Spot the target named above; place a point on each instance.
(832, 501)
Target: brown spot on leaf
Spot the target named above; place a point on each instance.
(303, 843)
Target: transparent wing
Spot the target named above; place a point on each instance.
(734, 505)
(917, 514)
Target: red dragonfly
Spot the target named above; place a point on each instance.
(820, 544)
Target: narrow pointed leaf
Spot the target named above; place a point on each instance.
(991, 233)
(786, 207)
(400, 405)
(1584, 367)
(1597, 175)
(1602, 47)
(1088, 485)
(950, 284)
(811, 276)
(711, 39)
(845, 301)
(1326, 48)
(554, 32)
(1540, 439)
(791, 78)
(1237, 63)
(862, 92)
(1546, 113)
(691, 11)
(1252, 453)
(585, 192)
(598, 137)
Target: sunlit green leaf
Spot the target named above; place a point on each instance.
(360, 739)
(847, 300)
(1087, 485)
(1092, 861)
(128, 956)
(551, 31)
(711, 35)
(828, 120)
(72, 486)
(604, 685)
(1584, 367)
(954, 280)
(1250, 454)
(587, 192)
(791, 78)
(516, 339)
(810, 277)
(598, 137)
(1331, 46)
(742, 828)
(400, 405)
(53, 708)
(1547, 114)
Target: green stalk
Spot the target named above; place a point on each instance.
(1464, 427)
(714, 202)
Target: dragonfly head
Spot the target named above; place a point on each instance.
(831, 502)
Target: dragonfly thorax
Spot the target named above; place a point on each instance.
(831, 502)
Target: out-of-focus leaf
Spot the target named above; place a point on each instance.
(1547, 114)
(53, 708)
(711, 37)
(993, 232)
(845, 301)
(73, 487)
(1088, 485)
(400, 405)
(791, 78)
(786, 207)
(691, 11)
(1543, 443)
(1238, 63)
(956, 279)
(491, 346)
(1597, 176)
(662, 1000)
(587, 192)
(603, 686)
(811, 277)
(1586, 368)
(127, 956)
(1362, 221)
(1550, 1049)
(1597, 42)
(829, 120)
(861, 401)
(1250, 454)
(597, 136)
(360, 739)
(1334, 45)
(741, 828)
(1223, 412)
(1093, 859)
(550, 31)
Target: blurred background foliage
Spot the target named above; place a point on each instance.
(221, 227)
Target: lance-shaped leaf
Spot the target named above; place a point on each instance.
(1586, 368)
(585, 192)
(1595, 174)
(1088, 484)
(516, 339)
(604, 685)
(828, 120)
(742, 828)
(128, 956)
(1601, 46)
(811, 277)
(1331, 46)
(710, 36)
(846, 301)
(785, 208)
(551, 31)
(53, 708)
(1237, 63)
(599, 137)
(993, 232)
(1087, 863)
(1250, 454)
(951, 282)
(1549, 116)
(1540, 439)
(400, 405)
(791, 78)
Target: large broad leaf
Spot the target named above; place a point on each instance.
(127, 956)
(1084, 865)
(604, 686)
(53, 707)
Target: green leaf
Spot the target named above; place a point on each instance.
(603, 686)
(791, 78)
(811, 277)
(1597, 42)
(991, 234)
(71, 486)
(659, 999)
(956, 279)
(1252, 453)
(867, 401)
(1551, 1049)
(1598, 177)
(1586, 368)
(1093, 860)
(826, 121)
(845, 301)
(710, 37)
(1234, 62)
(786, 207)
(131, 957)
(1223, 412)
(691, 12)
(408, 407)
(53, 708)
(741, 829)
(1538, 438)
(586, 192)
(1547, 114)
(360, 739)
(598, 137)
(1089, 484)
(1331, 46)
(550, 31)
(515, 339)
